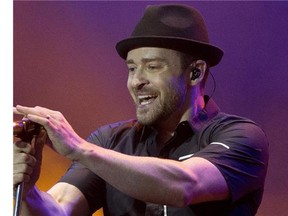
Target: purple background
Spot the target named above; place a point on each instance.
(64, 59)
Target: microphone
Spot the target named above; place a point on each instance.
(26, 129)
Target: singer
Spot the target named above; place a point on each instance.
(180, 157)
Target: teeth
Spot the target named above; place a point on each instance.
(144, 99)
(144, 102)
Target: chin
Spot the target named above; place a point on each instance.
(150, 119)
(151, 116)
(145, 119)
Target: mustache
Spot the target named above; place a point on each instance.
(145, 91)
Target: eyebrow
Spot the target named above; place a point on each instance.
(145, 60)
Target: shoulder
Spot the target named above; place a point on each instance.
(113, 130)
(241, 137)
(236, 133)
(238, 127)
(225, 118)
(120, 125)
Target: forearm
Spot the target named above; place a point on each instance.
(36, 202)
(144, 178)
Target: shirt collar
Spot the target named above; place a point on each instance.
(197, 123)
(205, 115)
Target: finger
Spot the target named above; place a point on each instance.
(20, 177)
(38, 111)
(26, 110)
(24, 147)
(21, 144)
(41, 139)
(22, 168)
(23, 158)
(38, 143)
(42, 120)
(15, 111)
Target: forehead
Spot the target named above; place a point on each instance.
(153, 53)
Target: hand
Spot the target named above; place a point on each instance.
(27, 159)
(63, 138)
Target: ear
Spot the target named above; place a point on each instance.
(197, 71)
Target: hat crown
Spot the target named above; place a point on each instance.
(177, 27)
(172, 21)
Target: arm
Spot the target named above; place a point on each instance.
(61, 199)
(155, 180)
(144, 178)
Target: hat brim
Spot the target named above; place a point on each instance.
(201, 50)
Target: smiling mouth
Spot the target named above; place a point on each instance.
(146, 99)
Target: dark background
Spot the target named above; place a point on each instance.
(64, 59)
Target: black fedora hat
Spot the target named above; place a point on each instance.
(178, 27)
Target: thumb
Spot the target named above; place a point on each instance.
(38, 142)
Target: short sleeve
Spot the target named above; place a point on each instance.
(239, 149)
(92, 186)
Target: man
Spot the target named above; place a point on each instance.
(182, 156)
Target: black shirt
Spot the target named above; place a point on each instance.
(235, 145)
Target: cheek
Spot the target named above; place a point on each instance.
(128, 84)
(160, 82)
(130, 89)
(174, 87)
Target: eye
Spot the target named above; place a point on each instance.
(153, 67)
(131, 68)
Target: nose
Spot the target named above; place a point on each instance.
(138, 79)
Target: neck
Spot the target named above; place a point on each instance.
(190, 109)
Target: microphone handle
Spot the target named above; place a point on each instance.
(18, 201)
